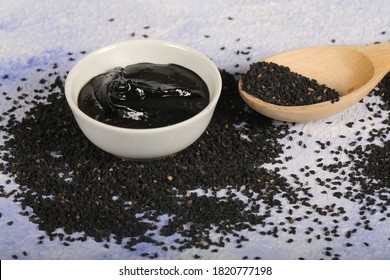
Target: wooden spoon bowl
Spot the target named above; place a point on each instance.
(351, 70)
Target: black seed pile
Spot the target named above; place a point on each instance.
(231, 184)
(278, 85)
(92, 192)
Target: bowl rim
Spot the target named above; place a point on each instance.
(212, 103)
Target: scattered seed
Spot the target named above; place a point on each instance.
(165, 187)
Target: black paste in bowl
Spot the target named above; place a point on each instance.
(144, 95)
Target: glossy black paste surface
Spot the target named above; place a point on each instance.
(144, 95)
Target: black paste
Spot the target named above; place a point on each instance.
(144, 95)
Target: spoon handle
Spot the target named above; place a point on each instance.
(379, 54)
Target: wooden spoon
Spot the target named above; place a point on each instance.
(351, 70)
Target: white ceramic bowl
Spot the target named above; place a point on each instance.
(142, 143)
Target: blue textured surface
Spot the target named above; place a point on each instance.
(36, 35)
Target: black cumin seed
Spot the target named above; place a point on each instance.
(132, 181)
(278, 85)
(97, 191)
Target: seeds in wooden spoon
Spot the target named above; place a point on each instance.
(278, 85)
